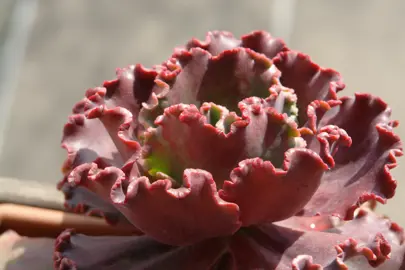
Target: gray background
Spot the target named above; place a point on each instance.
(73, 45)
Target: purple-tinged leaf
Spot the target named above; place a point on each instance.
(218, 41)
(87, 141)
(188, 214)
(378, 243)
(225, 79)
(117, 122)
(80, 252)
(105, 121)
(81, 196)
(150, 205)
(326, 141)
(133, 86)
(362, 171)
(373, 237)
(81, 200)
(262, 247)
(254, 182)
(270, 132)
(188, 138)
(316, 110)
(263, 42)
(309, 81)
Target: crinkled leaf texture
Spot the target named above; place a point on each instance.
(232, 154)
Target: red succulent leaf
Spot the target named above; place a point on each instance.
(309, 81)
(314, 223)
(133, 86)
(104, 122)
(196, 76)
(253, 184)
(218, 41)
(185, 139)
(132, 253)
(117, 122)
(215, 43)
(87, 141)
(191, 213)
(81, 197)
(327, 142)
(263, 42)
(362, 171)
(149, 205)
(102, 130)
(375, 238)
(380, 245)
(224, 79)
(81, 200)
(274, 247)
(270, 132)
(188, 138)
(324, 140)
(264, 247)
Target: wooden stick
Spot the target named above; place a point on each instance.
(40, 222)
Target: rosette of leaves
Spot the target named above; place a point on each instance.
(233, 154)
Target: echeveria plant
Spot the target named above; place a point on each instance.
(233, 154)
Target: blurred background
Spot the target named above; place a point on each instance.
(52, 51)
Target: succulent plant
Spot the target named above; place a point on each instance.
(233, 154)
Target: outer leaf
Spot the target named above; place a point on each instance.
(151, 207)
(100, 130)
(264, 247)
(374, 236)
(18, 252)
(381, 245)
(79, 199)
(88, 141)
(133, 253)
(362, 172)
